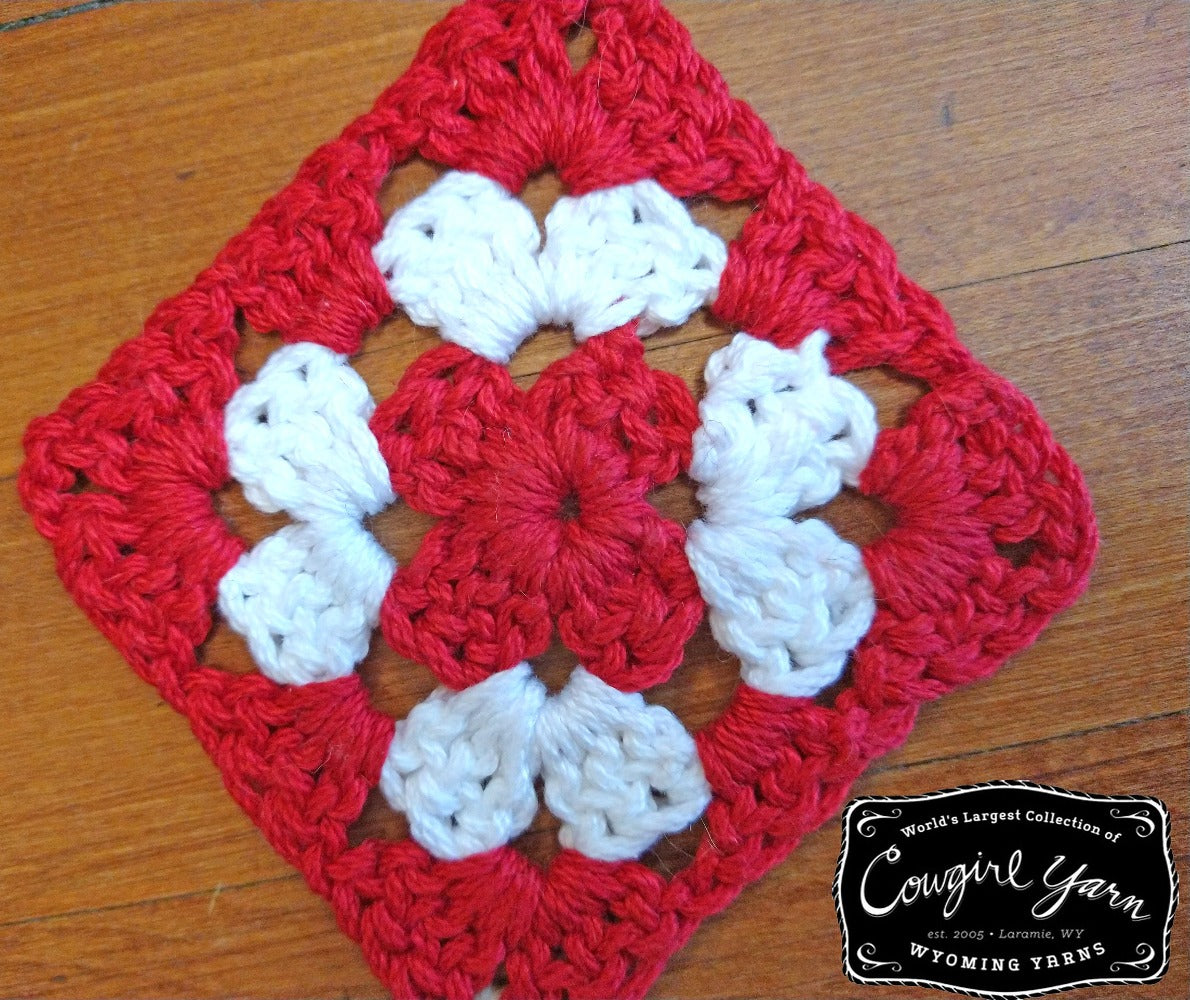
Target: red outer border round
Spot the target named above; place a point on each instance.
(121, 480)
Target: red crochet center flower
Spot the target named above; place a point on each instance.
(543, 500)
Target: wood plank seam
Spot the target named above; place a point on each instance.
(1020, 744)
(215, 890)
(53, 15)
(976, 282)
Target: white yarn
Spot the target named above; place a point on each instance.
(466, 257)
(462, 257)
(298, 438)
(790, 599)
(307, 598)
(462, 765)
(617, 772)
(626, 252)
(779, 435)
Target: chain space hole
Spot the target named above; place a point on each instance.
(243, 519)
(723, 218)
(405, 182)
(855, 516)
(400, 530)
(1018, 554)
(83, 484)
(548, 344)
(540, 193)
(389, 349)
(892, 392)
(554, 667)
(701, 687)
(225, 649)
(539, 842)
(253, 349)
(377, 821)
(674, 851)
(581, 45)
(395, 685)
(677, 500)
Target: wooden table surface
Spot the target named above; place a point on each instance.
(1028, 163)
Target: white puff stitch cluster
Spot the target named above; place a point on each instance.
(307, 598)
(779, 435)
(616, 771)
(466, 257)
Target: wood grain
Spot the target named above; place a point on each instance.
(1027, 161)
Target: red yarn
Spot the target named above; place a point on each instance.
(543, 495)
(121, 479)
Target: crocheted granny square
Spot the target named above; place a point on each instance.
(542, 523)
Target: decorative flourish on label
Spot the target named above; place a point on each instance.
(864, 953)
(1146, 953)
(1143, 828)
(870, 816)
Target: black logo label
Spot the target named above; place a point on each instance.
(1007, 889)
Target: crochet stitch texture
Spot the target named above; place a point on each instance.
(540, 496)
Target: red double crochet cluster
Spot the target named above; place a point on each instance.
(122, 480)
(543, 496)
